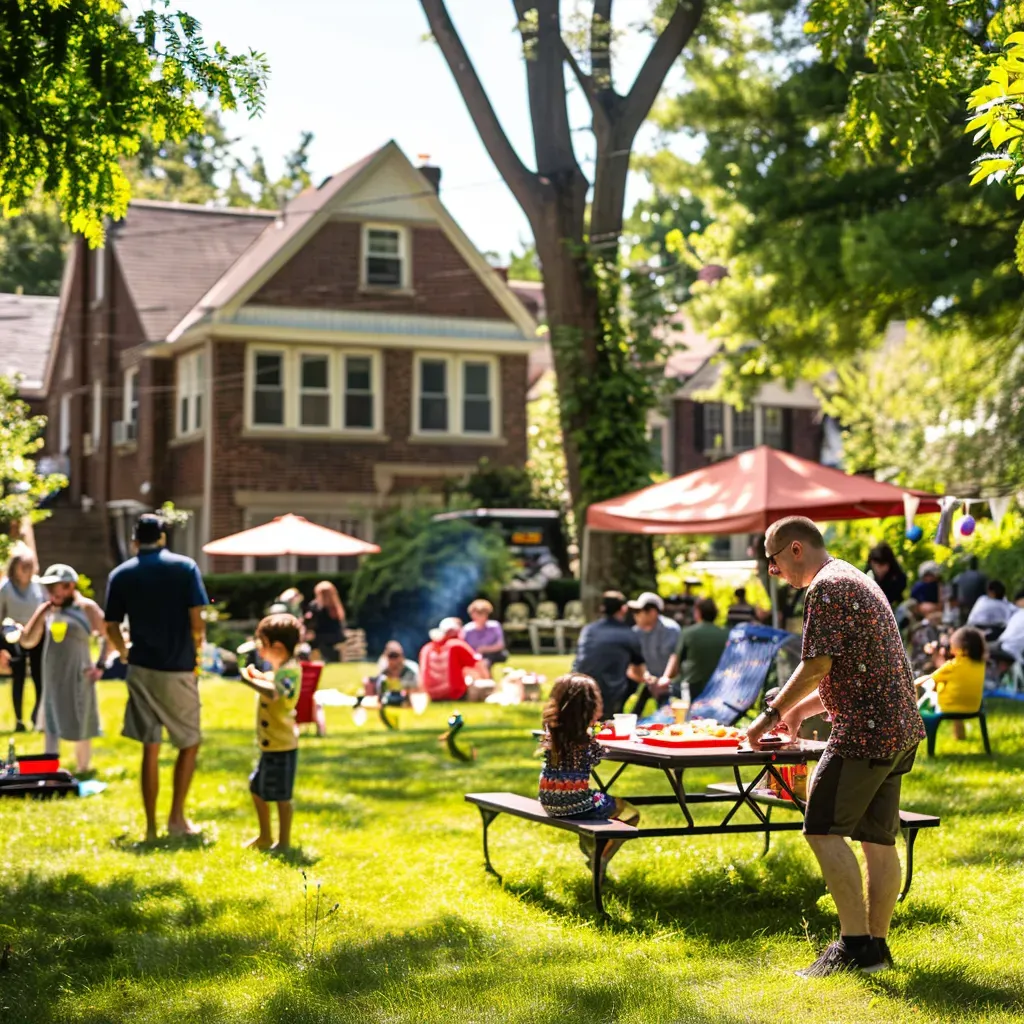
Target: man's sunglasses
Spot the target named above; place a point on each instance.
(772, 564)
(393, 654)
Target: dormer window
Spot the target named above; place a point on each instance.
(385, 257)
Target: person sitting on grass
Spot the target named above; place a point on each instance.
(570, 752)
(485, 635)
(956, 686)
(276, 731)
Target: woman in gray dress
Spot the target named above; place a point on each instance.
(68, 621)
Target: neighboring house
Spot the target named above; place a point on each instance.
(26, 336)
(332, 359)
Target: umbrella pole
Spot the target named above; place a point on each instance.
(773, 590)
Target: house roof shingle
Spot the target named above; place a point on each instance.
(26, 332)
(171, 253)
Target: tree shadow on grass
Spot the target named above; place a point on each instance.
(434, 971)
(960, 984)
(69, 934)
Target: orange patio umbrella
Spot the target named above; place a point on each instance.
(289, 535)
(747, 493)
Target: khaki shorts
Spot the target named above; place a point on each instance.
(857, 797)
(162, 700)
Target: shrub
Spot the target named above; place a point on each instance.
(246, 595)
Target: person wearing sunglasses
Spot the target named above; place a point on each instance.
(855, 668)
(394, 671)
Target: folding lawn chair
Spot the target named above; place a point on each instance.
(741, 674)
(307, 710)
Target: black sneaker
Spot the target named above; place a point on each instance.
(20, 727)
(837, 958)
(883, 949)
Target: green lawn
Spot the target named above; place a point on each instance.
(103, 929)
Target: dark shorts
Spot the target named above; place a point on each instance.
(857, 797)
(274, 777)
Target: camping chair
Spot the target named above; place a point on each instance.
(517, 619)
(741, 673)
(544, 624)
(571, 623)
(307, 710)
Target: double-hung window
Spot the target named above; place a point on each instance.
(743, 429)
(314, 390)
(456, 396)
(268, 389)
(326, 390)
(131, 398)
(385, 257)
(773, 426)
(191, 393)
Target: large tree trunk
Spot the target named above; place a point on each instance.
(603, 424)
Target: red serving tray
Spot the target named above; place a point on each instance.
(702, 741)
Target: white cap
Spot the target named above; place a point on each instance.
(646, 600)
(58, 573)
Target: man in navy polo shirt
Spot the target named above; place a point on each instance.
(162, 595)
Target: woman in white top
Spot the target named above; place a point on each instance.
(20, 596)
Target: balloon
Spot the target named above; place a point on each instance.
(914, 533)
(967, 525)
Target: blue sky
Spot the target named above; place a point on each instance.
(357, 73)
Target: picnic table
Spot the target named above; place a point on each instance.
(751, 793)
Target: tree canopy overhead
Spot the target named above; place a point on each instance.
(81, 85)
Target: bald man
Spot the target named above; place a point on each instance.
(855, 668)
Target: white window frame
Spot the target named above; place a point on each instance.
(455, 381)
(291, 379)
(404, 255)
(330, 392)
(130, 410)
(191, 389)
(97, 414)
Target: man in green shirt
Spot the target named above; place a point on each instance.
(700, 647)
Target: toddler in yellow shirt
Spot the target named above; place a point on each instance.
(957, 685)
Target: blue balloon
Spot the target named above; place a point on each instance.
(967, 525)
(914, 533)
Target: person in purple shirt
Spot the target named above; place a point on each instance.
(484, 634)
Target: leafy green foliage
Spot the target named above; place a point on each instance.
(425, 571)
(21, 487)
(81, 85)
(32, 247)
(493, 486)
(524, 266)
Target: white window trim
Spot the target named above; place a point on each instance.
(291, 377)
(99, 280)
(455, 365)
(654, 421)
(404, 254)
(188, 378)
(131, 377)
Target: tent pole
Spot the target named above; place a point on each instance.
(773, 590)
(585, 584)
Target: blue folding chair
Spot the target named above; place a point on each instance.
(741, 673)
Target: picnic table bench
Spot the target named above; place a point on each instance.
(741, 794)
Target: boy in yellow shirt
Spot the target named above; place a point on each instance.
(277, 734)
(958, 685)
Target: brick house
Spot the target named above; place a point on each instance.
(347, 353)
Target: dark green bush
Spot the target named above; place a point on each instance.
(561, 591)
(246, 595)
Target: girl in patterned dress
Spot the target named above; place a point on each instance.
(570, 752)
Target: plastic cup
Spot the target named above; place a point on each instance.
(624, 726)
(419, 699)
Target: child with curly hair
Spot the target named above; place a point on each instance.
(570, 752)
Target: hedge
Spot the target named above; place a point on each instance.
(246, 595)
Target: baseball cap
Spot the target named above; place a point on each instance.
(445, 627)
(929, 568)
(58, 573)
(148, 529)
(646, 600)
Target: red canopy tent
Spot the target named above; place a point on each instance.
(747, 493)
(289, 535)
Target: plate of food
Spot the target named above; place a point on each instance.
(700, 733)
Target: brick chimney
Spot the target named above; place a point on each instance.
(430, 172)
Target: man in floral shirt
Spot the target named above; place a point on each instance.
(855, 668)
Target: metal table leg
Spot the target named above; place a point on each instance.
(910, 834)
(488, 816)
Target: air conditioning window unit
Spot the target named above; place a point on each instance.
(124, 432)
